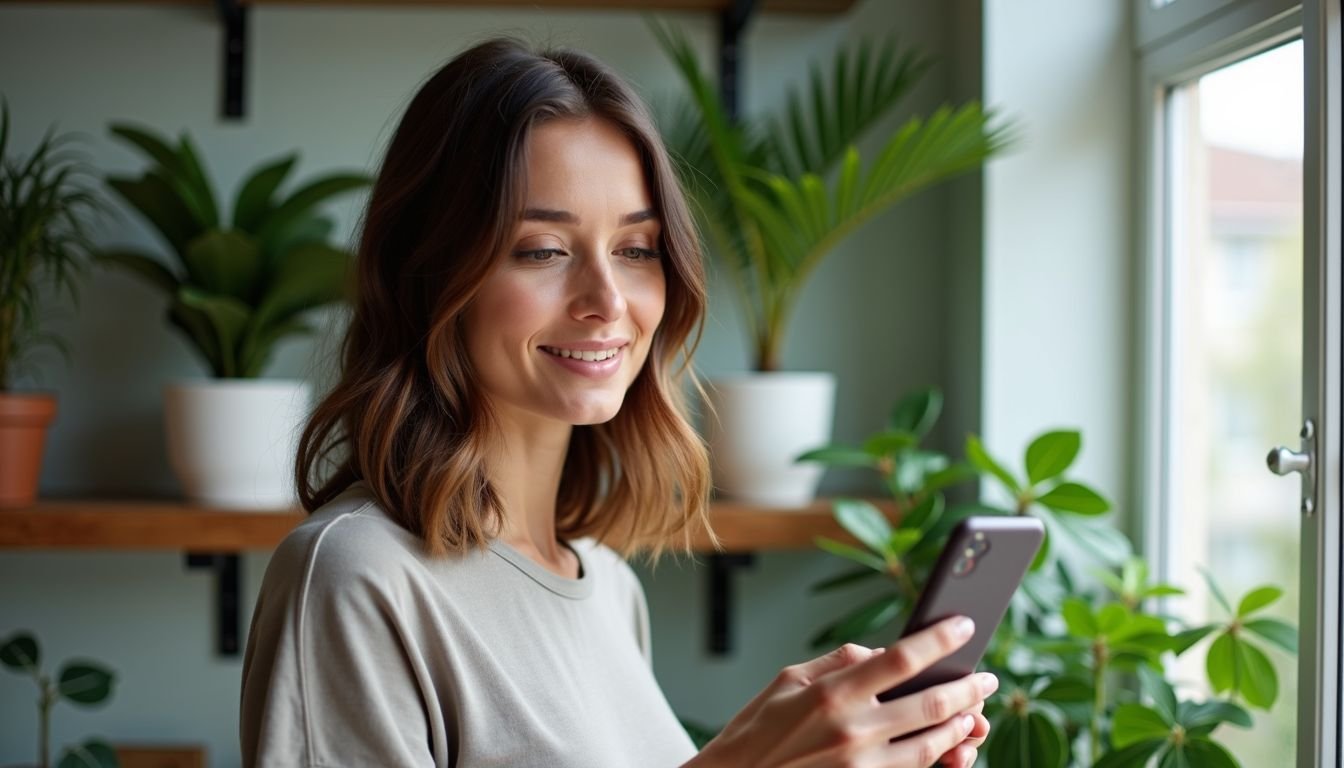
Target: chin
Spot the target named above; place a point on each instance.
(593, 413)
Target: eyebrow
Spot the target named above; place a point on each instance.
(566, 217)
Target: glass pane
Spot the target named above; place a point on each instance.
(1234, 356)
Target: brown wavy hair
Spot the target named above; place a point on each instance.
(407, 415)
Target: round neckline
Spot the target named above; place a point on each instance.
(576, 589)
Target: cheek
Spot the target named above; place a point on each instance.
(505, 312)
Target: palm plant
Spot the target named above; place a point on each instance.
(42, 238)
(243, 285)
(775, 196)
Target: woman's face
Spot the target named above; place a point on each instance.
(563, 323)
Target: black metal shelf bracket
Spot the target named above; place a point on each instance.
(721, 565)
(227, 607)
(234, 16)
(732, 22)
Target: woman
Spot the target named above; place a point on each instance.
(507, 421)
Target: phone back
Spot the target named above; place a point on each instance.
(977, 573)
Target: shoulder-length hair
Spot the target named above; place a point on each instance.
(407, 415)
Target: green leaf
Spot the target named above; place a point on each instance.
(864, 522)
(1257, 599)
(1135, 722)
(155, 199)
(1159, 690)
(1214, 712)
(867, 619)
(949, 476)
(1097, 538)
(91, 754)
(1275, 631)
(1079, 618)
(308, 276)
(1174, 757)
(845, 579)
(1221, 664)
(1051, 454)
(227, 318)
(1065, 690)
(902, 539)
(913, 466)
(851, 553)
(254, 199)
(147, 267)
(888, 443)
(1076, 498)
(1135, 755)
(303, 200)
(202, 197)
(924, 514)
(1033, 740)
(20, 653)
(225, 264)
(1206, 753)
(1110, 618)
(980, 459)
(1213, 588)
(917, 412)
(839, 456)
(1184, 641)
(1259, 681)
(85, 683)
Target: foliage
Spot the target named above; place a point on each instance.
(1073, 631)
(42, 237)
(776, 195)
(241, 286)
(84, 683)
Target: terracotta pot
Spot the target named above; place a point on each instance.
(23, 432)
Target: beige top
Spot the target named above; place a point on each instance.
(365, 651)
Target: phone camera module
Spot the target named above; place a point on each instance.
(976, 549)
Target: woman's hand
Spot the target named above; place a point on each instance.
(824, 713)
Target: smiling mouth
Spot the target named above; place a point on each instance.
(587, 356)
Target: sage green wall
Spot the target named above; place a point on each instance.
(331, 81)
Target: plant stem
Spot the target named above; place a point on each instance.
(44, 702)
(1099, 659)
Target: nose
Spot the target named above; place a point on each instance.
(596, 292)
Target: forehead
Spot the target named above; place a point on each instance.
(589, 162)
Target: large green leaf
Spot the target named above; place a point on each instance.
(1221, 664)
(179, 168)
(1259, 682)
(228, 320)
(1213, 712)
(20, 653)
(917, 412)
(85, 683)
(1033, 740)
(864, 522)
(1160, 691)
(1257, 599)
(839, 456)
(225, 264)
(1051, 454)
(889, 442)
(200, 331)
(194, 172)
(307, 277)
(254, 198)
(144, 265)
(841, 549)
(299, 204)
(1075, 498)
(1275, 631)
(1135, 755)
(91, 754)
(980, 459)
(1205, 753)
(1079, 618)
(154, 198)
(1135, 722)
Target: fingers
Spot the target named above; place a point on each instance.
(903, 660)
(930, 746)
(847, 655)
(961, 756)
(937, 704)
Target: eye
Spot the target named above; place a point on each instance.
(539, 255)
(639, 254)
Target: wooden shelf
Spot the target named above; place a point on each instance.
(168, 525)
(773, 6)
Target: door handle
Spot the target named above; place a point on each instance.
(1285, 461)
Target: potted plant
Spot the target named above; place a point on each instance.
(1083, 621)
(774, 197)
(84, 683)
(236, 288)
(42, 242)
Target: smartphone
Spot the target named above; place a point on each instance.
(977, 573)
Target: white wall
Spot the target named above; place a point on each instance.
(1057, 277)
(331, 81)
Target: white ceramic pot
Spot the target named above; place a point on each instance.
(231, 442)
(761, 423)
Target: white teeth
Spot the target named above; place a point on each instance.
(587, 356)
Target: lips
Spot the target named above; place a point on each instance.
(581, 364)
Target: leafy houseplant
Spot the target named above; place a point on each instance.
(1072, 631)
(774, 197)
(237, 286)
(83, 683)
(42, 241)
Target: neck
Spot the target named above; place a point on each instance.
(526, 463)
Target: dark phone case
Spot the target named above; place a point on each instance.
(982, 594)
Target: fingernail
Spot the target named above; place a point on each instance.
(877, 651)
(964, 627)
(967, 723)
(987, 682)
